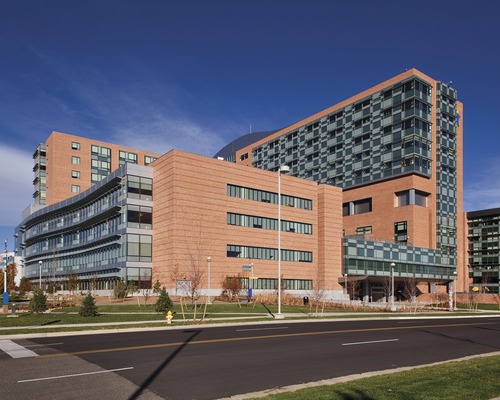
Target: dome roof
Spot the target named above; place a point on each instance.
(243, 141)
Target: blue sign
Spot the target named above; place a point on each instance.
(5, 298)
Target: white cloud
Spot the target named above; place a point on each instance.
(16, 187)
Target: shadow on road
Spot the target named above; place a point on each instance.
(158, 370)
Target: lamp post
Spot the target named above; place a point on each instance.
(392, 287)
(209, 259)
(283, 169)
(250, 282)
(40, 275)
(5, 296)
(454, 290)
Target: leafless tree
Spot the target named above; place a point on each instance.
(410, 289)
(352, 287)
(195, 274)
(387, 286)
(72, 282)
(145, 285)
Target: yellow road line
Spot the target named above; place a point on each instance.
(236, 339)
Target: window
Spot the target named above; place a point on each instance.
(139, 217)
(75, 189)
(75, 145)
(243, 156)
(264, 253)
(149, 159)
(139, 247)
(75, 174)
(101, 151)
(357, 207)
(268, 197)
(401, 232)
(139, 187)
(363, 230)
(75, 160)
(252, 221)
(125, 156)
(411, 197)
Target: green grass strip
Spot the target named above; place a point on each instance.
(476, 379)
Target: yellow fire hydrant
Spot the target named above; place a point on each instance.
(170, 317)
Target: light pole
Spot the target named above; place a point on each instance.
(209, 259)
(283, 169)
(392, 287)
(40, 275)
(250, 282)
(5, 296)
(455, 290)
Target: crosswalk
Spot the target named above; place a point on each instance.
(15, 350)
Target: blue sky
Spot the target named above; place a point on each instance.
(194, 75)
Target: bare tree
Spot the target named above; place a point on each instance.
(191, 278)
(145, 285)
(352, 287)
(472, 300)
(410, 289)
(72, 282)
(387, 286)
(195, 273)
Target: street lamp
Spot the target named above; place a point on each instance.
(209, 259)
(250, 282)
(392, 287)
(283, 169)
(455, 290)
(40, 276)
(5, 296)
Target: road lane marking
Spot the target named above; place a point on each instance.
(15, 350)
(239, 339)
(261, 329)
(42, 345)
(74, 375)
(370, 342)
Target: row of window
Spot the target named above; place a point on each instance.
(253, 221)
(404, 198)
(91, 261)
(99, 152)
(267, 197)
(264, 253)
(272, 283)
(400, 231)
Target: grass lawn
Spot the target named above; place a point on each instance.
(476, 379)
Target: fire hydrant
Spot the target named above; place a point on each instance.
(170, 317)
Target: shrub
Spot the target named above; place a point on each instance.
(88, 307)
(122, 289)
(38, 303)
(163, 303)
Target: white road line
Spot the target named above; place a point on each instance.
(73, 375)
(373, 341)
(42, 345)
(14, 350)
(261, 329)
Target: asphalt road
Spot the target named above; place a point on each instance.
(217, 362)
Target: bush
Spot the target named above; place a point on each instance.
(163, 303)
(88, 307)
(122, 289)
(38, 303)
